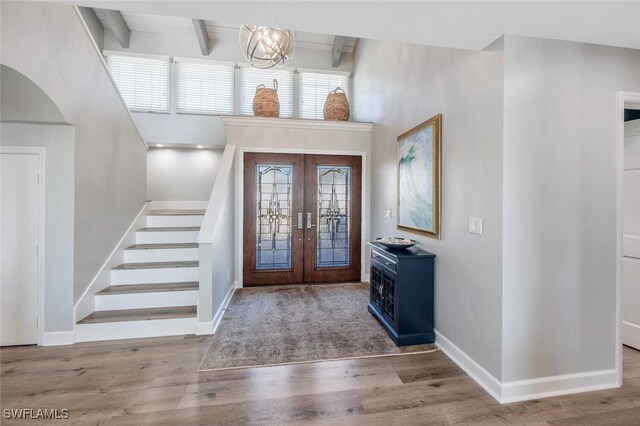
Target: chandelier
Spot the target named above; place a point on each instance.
(266, 47)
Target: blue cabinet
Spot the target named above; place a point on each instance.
(401, 293)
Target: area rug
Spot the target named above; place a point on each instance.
(293, 324)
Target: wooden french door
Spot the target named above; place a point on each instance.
(302, 216)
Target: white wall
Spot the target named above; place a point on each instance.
(21, 100)
(205, 130)
(559, 160)
(181, 174)
(48, 44)
(398, 86)
(58, 139)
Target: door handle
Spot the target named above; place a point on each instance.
(300, 220)
(309, 224)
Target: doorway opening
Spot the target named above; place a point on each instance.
(302, 218)
(628, 256)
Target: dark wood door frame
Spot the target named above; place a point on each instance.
(303, 241)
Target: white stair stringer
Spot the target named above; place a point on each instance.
(155, 291)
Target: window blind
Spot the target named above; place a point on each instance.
(143, 82)
(251, 77)
(314, 88)
(204, 88)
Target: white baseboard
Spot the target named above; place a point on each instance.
(524, 390)
(177, 205)
(58, 338)
(544, 387)
(210, 327)
(631, 334)
(365, 278)
(86, 304)
(485, 379)
(237, 284)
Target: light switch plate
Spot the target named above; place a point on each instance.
(475, 225)
(387, 214)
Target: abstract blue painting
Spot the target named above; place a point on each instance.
(419, 178)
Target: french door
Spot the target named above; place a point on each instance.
(302, 217)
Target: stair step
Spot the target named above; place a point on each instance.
(176, 212)
(170, 229)
(140, 315)
(157, 265)
(161, 246)
(149, 288)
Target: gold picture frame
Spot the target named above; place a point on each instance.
(419, 168)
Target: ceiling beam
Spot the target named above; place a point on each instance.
(202, 35)
(116, 22)
(337, 51)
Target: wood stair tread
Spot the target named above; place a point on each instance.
(169, 228)
(177, 212)
(146, 314)
(150, 288)
(158, 265)
(158, 246)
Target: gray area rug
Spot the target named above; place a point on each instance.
(299, 323)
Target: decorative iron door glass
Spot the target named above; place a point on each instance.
(273, 248)
(301, 218)
(333, 216)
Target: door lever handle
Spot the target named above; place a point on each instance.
(300, 220)
(310, 223)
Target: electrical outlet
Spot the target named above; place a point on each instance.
(475, 225)
(387, 214)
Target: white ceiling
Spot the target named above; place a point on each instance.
(460, 24)
(182, 26)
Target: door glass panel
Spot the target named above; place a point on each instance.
(334, 214)
(273, 239)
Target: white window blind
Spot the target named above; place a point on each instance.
(204, 88)
(143, 82)
(251, 77)
(314, 88)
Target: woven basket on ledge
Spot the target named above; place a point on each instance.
(265, 102)
(336, 107)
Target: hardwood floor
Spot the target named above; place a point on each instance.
(154, 381)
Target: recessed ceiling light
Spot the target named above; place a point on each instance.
(159, 145)
(200, 146)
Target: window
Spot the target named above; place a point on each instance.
(143, 81)
(251, 77)
(314, 88)
(204, 87)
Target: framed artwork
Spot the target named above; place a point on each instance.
(419, 178)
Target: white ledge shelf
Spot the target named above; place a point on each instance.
(296, 123)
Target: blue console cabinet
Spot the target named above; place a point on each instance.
(401, 293)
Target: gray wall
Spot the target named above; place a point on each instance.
(21, 100)
(48, 44)
(398, 86)
(181, 174)
(559, 196)
(59, 206)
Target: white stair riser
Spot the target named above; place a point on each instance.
(160, 255)
(163, 299)
(169, 221)
(135, 329)
(148, 276)
(159, 237)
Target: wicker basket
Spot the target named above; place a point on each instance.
(265, 102)
(336, 107)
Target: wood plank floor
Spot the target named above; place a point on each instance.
(154, 381)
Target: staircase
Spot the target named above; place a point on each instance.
(155, 292)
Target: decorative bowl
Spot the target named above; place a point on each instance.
(396, 242)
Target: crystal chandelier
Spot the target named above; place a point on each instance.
(266, 47)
